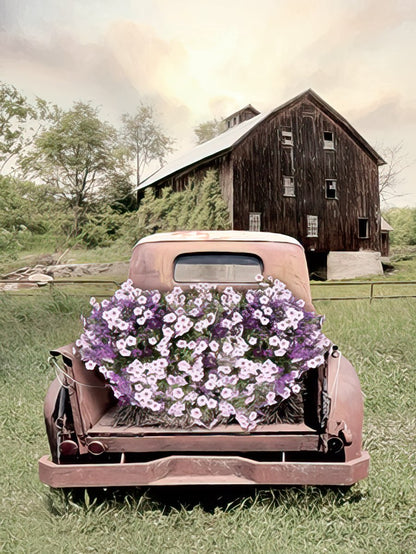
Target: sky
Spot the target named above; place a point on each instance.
(194, 60)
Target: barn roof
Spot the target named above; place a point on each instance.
(248, 107)
(230, 138)
(385, 226)
(211, 148)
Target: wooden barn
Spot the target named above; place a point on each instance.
(300, 169)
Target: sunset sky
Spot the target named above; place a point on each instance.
(195, 60)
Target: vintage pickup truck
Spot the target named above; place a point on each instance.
(88, 450)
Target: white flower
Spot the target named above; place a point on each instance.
(226, 393)
(201, 400)
(212, 403)
(227, 348)
(271, 398)
(274, 340)
(196, 413)
(169, 318)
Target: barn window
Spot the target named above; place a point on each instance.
(312, 221)
(363, 228)
(254, 223)
(288, 186)
(330, 188)
(329, 143)
(287, 136)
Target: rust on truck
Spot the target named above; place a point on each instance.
(88, 450)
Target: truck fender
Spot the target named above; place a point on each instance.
(345, 418)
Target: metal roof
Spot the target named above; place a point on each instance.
(236, 236)
(385, 226)
(212, 147)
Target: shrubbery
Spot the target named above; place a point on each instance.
(403, 221)
(199, 206)
(31, 215)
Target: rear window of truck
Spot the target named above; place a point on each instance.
(217, 267)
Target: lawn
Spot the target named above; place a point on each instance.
(376, 515)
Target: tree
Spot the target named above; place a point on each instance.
(403, 221)
(15, 111)
(118, 193)
(144, 139)
(208, 130)
(390, 173)
(77, 155)
(20, 123)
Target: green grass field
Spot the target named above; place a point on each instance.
(376, 515)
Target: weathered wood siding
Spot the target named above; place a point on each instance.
(251, 180)
(261, 161)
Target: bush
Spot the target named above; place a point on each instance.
(199, 206)
(403, 221)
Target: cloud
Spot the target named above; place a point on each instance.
(387, 113)
(198, 60)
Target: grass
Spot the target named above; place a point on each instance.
(376, 515)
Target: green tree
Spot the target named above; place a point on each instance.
(78, 155)
(208, 130)
(144, 138)
(403, 221)
(20, 123)
(118, 193)
(15, 112)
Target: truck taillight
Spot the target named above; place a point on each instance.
(68, 448)
(96, 448)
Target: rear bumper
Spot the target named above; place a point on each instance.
(203, 470)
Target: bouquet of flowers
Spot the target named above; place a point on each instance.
(204, 355)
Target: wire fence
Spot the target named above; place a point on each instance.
(321, 291)
(368, 290)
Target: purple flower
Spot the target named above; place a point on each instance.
(203, 353)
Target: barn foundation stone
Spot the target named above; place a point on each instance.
(348, 265)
